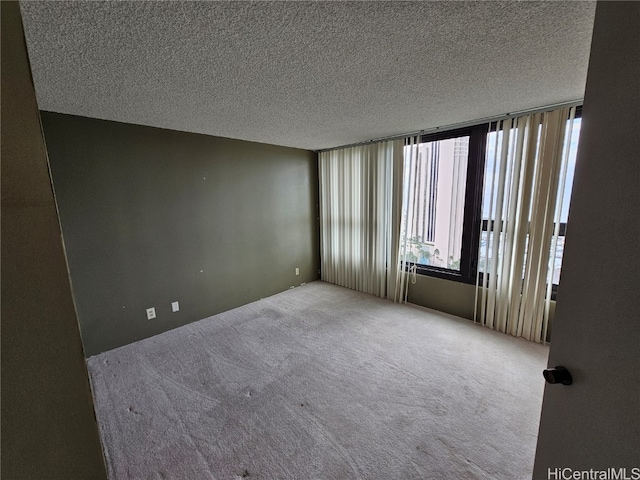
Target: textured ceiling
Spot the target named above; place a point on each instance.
(305, 74)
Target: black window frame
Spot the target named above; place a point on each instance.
(473, 222)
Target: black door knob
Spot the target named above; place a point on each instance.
(557, 375)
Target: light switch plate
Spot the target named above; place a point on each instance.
(151, 313)
(175, 306)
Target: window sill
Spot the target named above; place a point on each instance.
(444, 273)
(456, 276)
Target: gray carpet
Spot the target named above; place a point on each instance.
(321, 382)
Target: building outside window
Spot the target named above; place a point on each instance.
(449, 198)
(438, 195)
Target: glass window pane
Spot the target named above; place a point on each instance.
(557, 261)
(563, 200)
(572, 145)
(435, 183)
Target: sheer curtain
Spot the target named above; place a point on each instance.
(405, 269)
(360, 216)
(524, 168)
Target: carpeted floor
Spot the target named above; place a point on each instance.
(321, 382)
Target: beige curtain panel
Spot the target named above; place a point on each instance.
(524, 170)
(359, 216)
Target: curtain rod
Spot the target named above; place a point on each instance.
(455, 126)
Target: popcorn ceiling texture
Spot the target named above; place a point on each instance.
(305, 74)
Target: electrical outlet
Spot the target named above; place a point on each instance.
(175, 306)
(151, 313)
(297, 271)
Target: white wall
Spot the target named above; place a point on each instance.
(595, 423)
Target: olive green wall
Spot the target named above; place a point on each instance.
(49, 430)
(451, 297)
(443, 295)
(152, 216)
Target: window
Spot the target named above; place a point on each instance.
(562, 202)
(448, 202)
(443, 184)
(565, 195)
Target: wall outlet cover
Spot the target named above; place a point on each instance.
(151, 313)
(175, 306)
